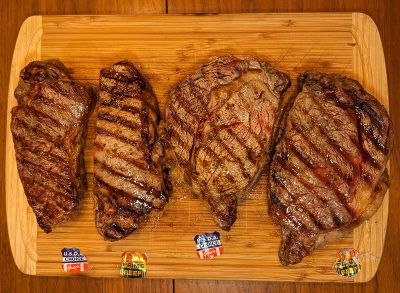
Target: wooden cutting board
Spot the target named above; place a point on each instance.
(166, 48)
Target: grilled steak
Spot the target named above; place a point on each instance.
(128, 178)
(48, 127)
(219, 123)
(328, 173)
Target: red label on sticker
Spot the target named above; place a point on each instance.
(208, 245)
(210, 253)
(73, 261)
(75, 267)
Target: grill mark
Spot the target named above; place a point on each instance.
(53, 102)
(219, 161)
(292, 171)
(119, 106)
(36, 202)
(250, 153)
(279, 213)
(302, 158)
(136, 96)
(104, 196)
(338, 221)
(333, 166)
(47, 155)
(323, 110)
(181, 143)
(111, 192)
(180, 122)
(59, 179)
(31, 182)
(27, 147)
(118, 120)
(363, 106)
(361, 172)
(195, 90)
(369, 132)
(144, 130)
(322, 131)
(134, 162)
(118, 191)
(30, 128)
(62, 174)
(280, 182)
(231, 152)
(54, 212)
(334, 216)
(117, 228)
(195, 116)
(140, 184)
(339, 196)
(242, 168)
(255, 136)
(41, 115)
(346, 156)
(129, 109)
(182, 102)
(56, 87)
(283, 207)
(356, 166)
(219, 190)
(358, 106)
(122, 138)
(73, 203)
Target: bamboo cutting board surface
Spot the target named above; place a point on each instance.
(165, 49)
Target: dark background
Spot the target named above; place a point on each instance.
(386, 14)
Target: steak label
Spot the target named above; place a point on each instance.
(133, 265)
(347, 263)
(208, 245)
(73, 261)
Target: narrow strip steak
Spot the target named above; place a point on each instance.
(219, 124)
(329, 170)
(128, 178)
(48, 128)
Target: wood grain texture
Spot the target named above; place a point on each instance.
(22, 241)
(368, 60)
(13, 13)
(385, 14)
(165, 52)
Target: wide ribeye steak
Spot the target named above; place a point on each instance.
(328, 173)
(128, 177)
(219, 124)
(48, 128)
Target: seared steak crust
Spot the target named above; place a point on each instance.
(48, 127)
(128, 178)
(329, 169)
(219, 124)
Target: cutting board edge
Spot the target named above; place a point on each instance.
(27, 48)
(18, 249)
(373, 68)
